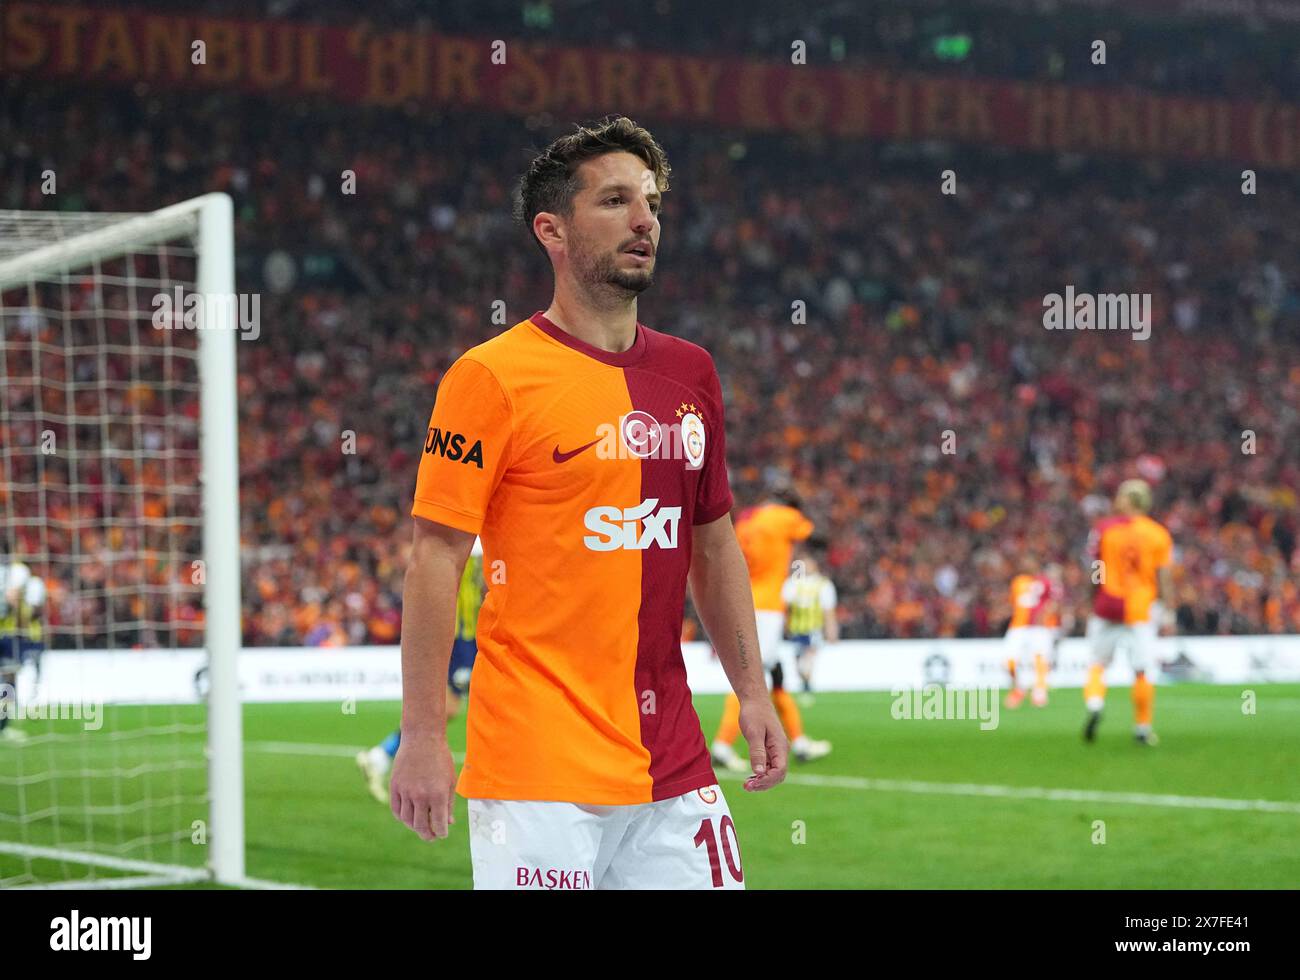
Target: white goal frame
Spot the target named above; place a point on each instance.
(208, 221)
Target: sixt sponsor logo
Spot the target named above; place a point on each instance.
(617, 527)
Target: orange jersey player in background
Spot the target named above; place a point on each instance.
(767, 535)
(1031, 634)
(1131, 555)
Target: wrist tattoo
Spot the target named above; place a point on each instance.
(740, 642)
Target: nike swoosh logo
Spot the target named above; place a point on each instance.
(560, 457)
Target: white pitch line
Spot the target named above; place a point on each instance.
(303, 748)
(1036, 793)
(1233, 701)
(921, 788)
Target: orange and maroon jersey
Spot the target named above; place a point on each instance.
(1130, 550)
(583, 472)
(1032, 598)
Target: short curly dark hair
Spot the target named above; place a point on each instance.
(550, 182)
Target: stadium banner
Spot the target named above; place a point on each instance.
(413, 69)
(1245, 11)
(375, 674)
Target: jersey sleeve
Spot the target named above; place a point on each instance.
(1051, 591)
(830, 598)
(713, 496)
(466, 448)
(788, 591)
(34, 593)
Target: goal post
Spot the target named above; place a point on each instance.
(45, 253)
(219, 435)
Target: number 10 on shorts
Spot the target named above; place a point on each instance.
(730, 848)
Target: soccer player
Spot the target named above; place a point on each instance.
(1035, 601)
(1135, 555)
(767, 535)
(810, 600)
(376, 761)
(589, 453)
(22, 604)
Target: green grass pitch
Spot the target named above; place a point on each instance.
(898, 804)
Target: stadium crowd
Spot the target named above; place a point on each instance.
(936, 431)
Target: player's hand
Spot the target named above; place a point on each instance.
(422, 789)
(769, 749)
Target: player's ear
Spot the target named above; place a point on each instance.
(549, 229)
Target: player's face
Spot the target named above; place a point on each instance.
(616, 211)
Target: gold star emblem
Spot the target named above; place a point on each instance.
(690, 407)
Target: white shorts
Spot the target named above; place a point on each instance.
(772, 646)
(1026, 642)
(686, 842)
(1137, 639)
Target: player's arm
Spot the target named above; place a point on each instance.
(719, 581)
(831, 612)
(1165, 585)
(422, 788)
(451, 498)
(1162, 555)
(1165, 598)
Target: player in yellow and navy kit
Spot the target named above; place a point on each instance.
(469, 599)
(810, 601)
(375, 763)
(22, 605)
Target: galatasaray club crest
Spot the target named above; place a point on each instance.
(708, 794)
(692, 435)
(641, 433)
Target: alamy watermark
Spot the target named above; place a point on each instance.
(938, 702)
(1098, 311)
(182, 310)
(89, 712)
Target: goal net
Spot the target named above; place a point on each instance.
(120, 751)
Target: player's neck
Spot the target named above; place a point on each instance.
(612, 330)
